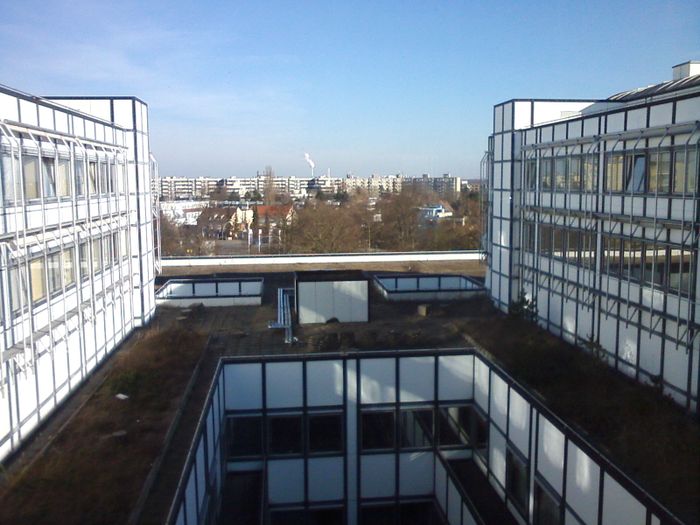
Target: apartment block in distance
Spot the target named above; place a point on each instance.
(593, 216)
(77, 251)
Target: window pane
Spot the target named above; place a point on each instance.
(516, 480)
(11, 180)
(546, 507)
(613, 172)
(18, 290)
(454, 425)
(284, 434)
(48, 165)
(479, 433)
(96, 255)
(68, 266)
(660, 171)
(636, 172)
(244, 436)
(84, 253)
(558, 243)
(575, 173)
(92, 177)
(63, 186)
(54, 272)
(560, 173)
(325, 433)
(417, 428)
(36, 277)
(30, 170)
(590, 172)
(377, 430)
(546, 173)
(79, 173)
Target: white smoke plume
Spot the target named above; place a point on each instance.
(310, 162)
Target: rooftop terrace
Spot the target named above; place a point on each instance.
(103, 460)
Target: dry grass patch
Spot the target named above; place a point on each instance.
(94, 470)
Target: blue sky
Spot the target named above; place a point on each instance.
(364, 87)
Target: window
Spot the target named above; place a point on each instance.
(104, 178)
(654, 264)
(454, 426)
(96, 255)
(377, 430)
(48, 169)
(575, 173)
(79, 174)
(92, 177)
(244, 434)
(558, 243)
(284, 434)
(416, 428)
(63, 186)
(531, 174)
(588, 249)
(560, 173)
(479, 433)
(613, 172)
(18, 289)
(680, 276)
(125, 246)
(11, 181)
(68, 261)
(573, 246)
(115, 248)
(632, 260)
(529, 236)
(107, 251)
(546, 173)
(30, 171)
(635, 173)
(547, 507)
(611, 255)
(112, 168)
(325, 433)
(54, 272)
(590, 172)
(36, 278)
(545, 240)
(660, 172)
(516, 481)
(685, 170)
(84, 255)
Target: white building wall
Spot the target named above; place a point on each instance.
(76, 247)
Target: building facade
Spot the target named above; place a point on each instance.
(77, 248)
(593, 216)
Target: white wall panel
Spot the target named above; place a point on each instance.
(243, 386)
(417, 379)
(441, 485)
(499, 401)
(676, 366)
(550, 453)
(481, 384)
(325, 479)
(324, 383)
(519, 422)
(497, 455)
(619, 506)
(378, 381)
(454, 504)
(377, 478)
(687, 110)
(455, 377)
(284, 384)
(413, 474)
(661, 114)
(637, 118)
(285, 478)
(582, 483)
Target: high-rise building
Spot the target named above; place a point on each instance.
(593, 216)
(77, 250)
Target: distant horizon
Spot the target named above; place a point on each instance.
(362, 88)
